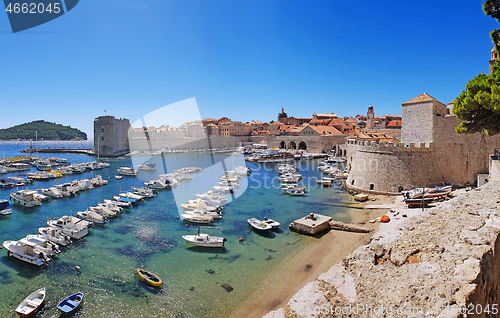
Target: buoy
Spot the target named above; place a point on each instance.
(77, 267)
(241, 240)
(177, 218)
(187, 225)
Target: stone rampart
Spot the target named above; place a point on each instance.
(388, 167)
(443, 262)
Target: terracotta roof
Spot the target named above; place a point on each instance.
(319, 122)
(326, 130)
(422, 98)
(395, 123)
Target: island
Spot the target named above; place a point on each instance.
(42, 130)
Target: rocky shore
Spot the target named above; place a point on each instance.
(440, 262)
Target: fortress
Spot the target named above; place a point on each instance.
(430, 153)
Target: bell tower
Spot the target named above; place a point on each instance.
(370, 118)
(494, 56)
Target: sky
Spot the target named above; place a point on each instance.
(240, 59)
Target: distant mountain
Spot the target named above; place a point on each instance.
(44, 130)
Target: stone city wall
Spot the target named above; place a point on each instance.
(315, 144)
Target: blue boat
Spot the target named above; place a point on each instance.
(5, 207)
(71, 303)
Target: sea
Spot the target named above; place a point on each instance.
(149, 236)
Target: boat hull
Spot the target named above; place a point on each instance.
(149, 278)
(71, 303)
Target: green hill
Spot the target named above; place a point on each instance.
(45, 131)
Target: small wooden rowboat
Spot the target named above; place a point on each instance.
(71, 303)
(32, 303)
(149, 278)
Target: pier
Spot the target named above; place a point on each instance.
(82, 151)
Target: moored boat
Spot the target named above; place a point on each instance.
(71, 303)
(274, 224)
(32, 303)
(258, 224)
(149, 278)
(205, 240)
(73, 227)
(54, 235)
(25, 198)
(198, 218)
(26, 251)
(5, 207)
(91, 216)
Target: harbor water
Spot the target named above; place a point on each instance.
(149, 236)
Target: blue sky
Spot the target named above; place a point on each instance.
(240, 59)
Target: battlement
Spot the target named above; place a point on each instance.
(400, 147)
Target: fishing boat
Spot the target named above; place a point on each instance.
(71, 303)
(55, 235)
(149, 278)
(32, 303)
(73, 227)
(91, 216)
(5, 207)
(205, 240)
(198, 218)
(259, 225)
(417, 203)
(26, 251)
(25, 198)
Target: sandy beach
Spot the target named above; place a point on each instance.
(307, 264)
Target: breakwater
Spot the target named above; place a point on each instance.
(83, 151)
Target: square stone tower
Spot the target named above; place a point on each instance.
(111, 136)
(419, 116)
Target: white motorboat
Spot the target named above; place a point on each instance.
(223, 189)
(147, 167)
(3, 170)
(118, 177)
(126, 171)
(43, 244)
(41, 197)
(296, 192)
(219, 199)
(131, 195)
(104, 211)
(274, 224)
(98, 181)
(85, 184)
(32, 303)
(113, 207)
(5, 207)
(215, 214)
(53, 192)
(74, 227)
(91, 216)
(145, 192)
(200, 204)
(198, 218)
(26, 251)
(158, 184)
(326, 181)
(54, 235)
(119, 203)
(25, 198)
(205, 240)
(228, 183)
(258, 224)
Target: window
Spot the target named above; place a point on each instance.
(372, 186)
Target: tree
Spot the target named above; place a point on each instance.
(492, 8)
(271, 122)
(479, 104)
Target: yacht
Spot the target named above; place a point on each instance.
(25, 198)
(54, 235)
(72, 226)
(126, 171)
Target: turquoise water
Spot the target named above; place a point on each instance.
(149, 236)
